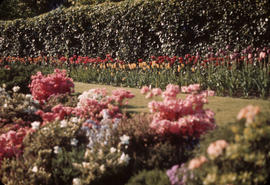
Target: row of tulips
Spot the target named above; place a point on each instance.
(232, 73)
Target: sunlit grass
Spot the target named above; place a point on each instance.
(226, 108)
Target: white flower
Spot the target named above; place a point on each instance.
(28, 96)
(63, 123)
(124, 140)
(102, 168)
(34, 169)
(16, 88)
(105, 114)
(5, 105)
(35, 125)
(86, 164)
(74, 142)
(76, 181)
(112, 149)
(56, 149)
(74, 119)
(124, 158)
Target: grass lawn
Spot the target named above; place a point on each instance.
(226, 108)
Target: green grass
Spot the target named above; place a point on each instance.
(226, 108)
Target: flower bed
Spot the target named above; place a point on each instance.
(87, 139)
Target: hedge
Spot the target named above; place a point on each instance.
(135, 29)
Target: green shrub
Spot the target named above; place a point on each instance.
(149, 150)
(240, 155)
(17, 107)
(138, 29)
(48, 157)
(152, 177)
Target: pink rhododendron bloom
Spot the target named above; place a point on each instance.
(171, 91)
(185, 117)
(196, 162)
(11, 143)
(216, 148)
(120, 94)
(191, 88)
(42, 87)
(145, 89)
(157, 91)
(58, 112)
(248, 113)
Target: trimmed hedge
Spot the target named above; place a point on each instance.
(140, 28)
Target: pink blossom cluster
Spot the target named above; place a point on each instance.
(216, 148)
(11, 143)
(184, 117)
(196, 162)
(93, 102)
(248, 113)
(90, 106)
(119, 95)
(191, 88)
(42, 87)
(58, 112)
(150, 92)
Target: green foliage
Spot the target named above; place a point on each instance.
(15, 9)
(245, 160)
(92, 2)
(138, 29)
(152, 177)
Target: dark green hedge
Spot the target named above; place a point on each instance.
(139, 28)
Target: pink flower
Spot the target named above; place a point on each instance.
(248, 113)
(196, 162)
(171, 91)
(120, 94)
(11, 143)
(216, 148)
(182, 117)
(190, 88)
(156, 91)
(145, 89)
(42, 87)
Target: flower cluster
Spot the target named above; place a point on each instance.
(42, 87)
(11, 143)
(182, 117)
(216, 148)
(120, 94)
(95, 104)
(179, 175)
(104, 159)
(58, 112)
(248, 113)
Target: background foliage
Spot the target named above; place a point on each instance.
(138, 29)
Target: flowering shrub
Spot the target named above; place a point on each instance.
(96, 105)
(150, 150)
(11, 143)
(14, 105)
(236, 154)
(42, 87)
(183, 117)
